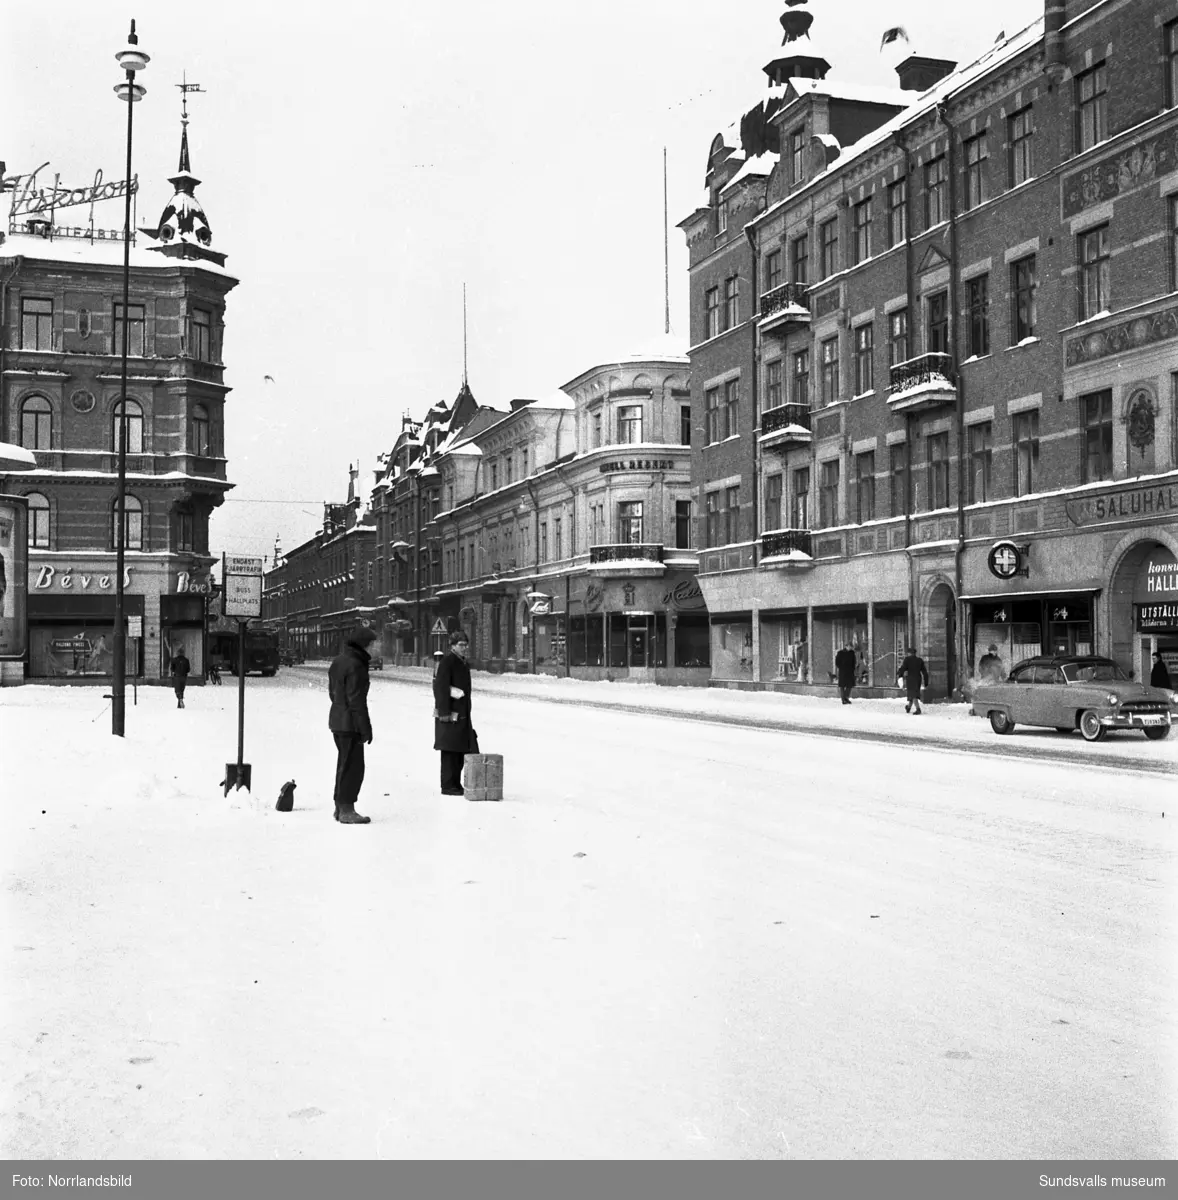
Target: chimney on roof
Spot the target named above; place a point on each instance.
(918, 74)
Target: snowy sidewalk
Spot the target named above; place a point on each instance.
(949, 726)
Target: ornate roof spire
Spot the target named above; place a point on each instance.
(183, 228)
(803, 59)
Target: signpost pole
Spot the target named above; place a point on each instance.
(241, 581)
(241, 627)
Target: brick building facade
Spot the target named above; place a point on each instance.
(956, 413)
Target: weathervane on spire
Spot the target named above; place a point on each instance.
(185, 88)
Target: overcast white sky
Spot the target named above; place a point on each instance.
(362, 160)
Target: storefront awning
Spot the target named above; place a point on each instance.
(1007, 596)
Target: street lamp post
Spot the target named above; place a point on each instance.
(132, 59)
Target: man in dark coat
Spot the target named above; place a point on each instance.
(453, 733)
(914, 673)
(347, 685)
(1159, 677)
(180, 668)
(844, 668)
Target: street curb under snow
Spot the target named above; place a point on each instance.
(490, 683)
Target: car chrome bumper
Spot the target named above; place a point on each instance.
(1136, 720)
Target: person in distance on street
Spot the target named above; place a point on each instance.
(914, 673)
(180, 668)
(844, 667)
(454, 735)
(349, 722)
(1159, 677)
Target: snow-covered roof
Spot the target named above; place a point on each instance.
(556, 400)
(761, 166)
(101, 252)
(865, 93)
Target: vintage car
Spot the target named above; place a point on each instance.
(1070, 691)
(376, 663)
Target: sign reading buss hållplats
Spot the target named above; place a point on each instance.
(243, 587)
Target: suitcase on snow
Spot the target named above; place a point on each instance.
(482, 777)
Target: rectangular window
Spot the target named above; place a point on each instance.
(630, 424)
(722, 216)
(731, 303)
(898, 476)
(1020, 130)
(898, 337)
(938, 323)
(494, 475)
(861, 242)
(937, 465)
(801, 499)
(712, 519)
(1170, 57)
(183, 530)
(1093, 255)
(897, 212)
(712, 414)
(978, 291)
(685, 424)
(864, 359)
(772, 270)
(936, 192)
(797, 157)
(135, 328)
(1172, 203)
(773, 396)
(39, 522)
(828, 247)
(1091, 107)
(800, 259)
(523, 466)
(712, 311)
(1023, 307)
(543, 541)
(828, 494)
(36, 324)
(682, 524)
(731, 515)
(557, 539)
(773, 502)
(508, 463)
(865, 487)
(801, 378)
(975, 170)
(981, 457)
(1096, 416)
(198, 431)
(630, 522)
(830, 370)
(731, 408)
(202, 335)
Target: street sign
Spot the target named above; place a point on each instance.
(243, 586)
(439, 626)
(242, 566)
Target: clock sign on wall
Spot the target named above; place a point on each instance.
(1006, 560)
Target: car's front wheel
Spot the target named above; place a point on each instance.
(1000, 722)
(1156, 732)
(1091, 727)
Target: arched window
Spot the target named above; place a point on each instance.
(132, 524)
(38, 520)
(36, 423)
(198, 431)
(134, 426)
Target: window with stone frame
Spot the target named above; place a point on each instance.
(38, 534)
(136, 330)
(202, 335)
(1096, 424)
(800, 386)
(712, 518)
(937, 309)
(132, 524)
(800, 502)
(865, 486)
(198, 431)
(731, 515)
(828, 493)
(898, 478)
(830, 370)
(974, 153)
(134, 426)
(898, 349)
(36, 323)
(828, 247)
(1170, 61)
(1093, 255)
(981, 461)
(800, 260)
(1091, 103)
(773, 395)
(629, 425)
(712, 414)
(1020, 137)
(937, 469)
(978, 299)
(772, 270)
(861, 231)
(1023, 306)
(712, 312)
(864, 358)
(772, 513)
(682, 524)
(936, 192)
(897, 212)
(731, 302)
(731, 407)
(36, 423)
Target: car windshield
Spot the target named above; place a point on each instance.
(1100, 672)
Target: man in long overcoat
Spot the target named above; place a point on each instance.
(844, 668)
(349, 722)
(913, 672)
(453, 733)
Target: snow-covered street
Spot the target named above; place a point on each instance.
(673, 939)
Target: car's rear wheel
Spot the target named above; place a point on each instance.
(1156, 732)
(1091, 727)
(1000, 722)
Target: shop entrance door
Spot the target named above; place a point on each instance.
(1167, 646)
(639, 640)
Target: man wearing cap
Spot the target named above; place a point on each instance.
(347, 685)
(454, 735)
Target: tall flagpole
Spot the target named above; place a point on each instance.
(464, 384)
(666, 253)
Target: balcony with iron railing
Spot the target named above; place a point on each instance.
(784, 309)
(627, 559)
(786, 426)
(787, 548)
(925, 382)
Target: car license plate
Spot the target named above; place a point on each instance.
(1152, 720)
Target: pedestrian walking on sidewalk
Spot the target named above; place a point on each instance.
(180, 669)
(844, 669)
(1159, 677)
(454, 735)
(914, 673)
(349, 722)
